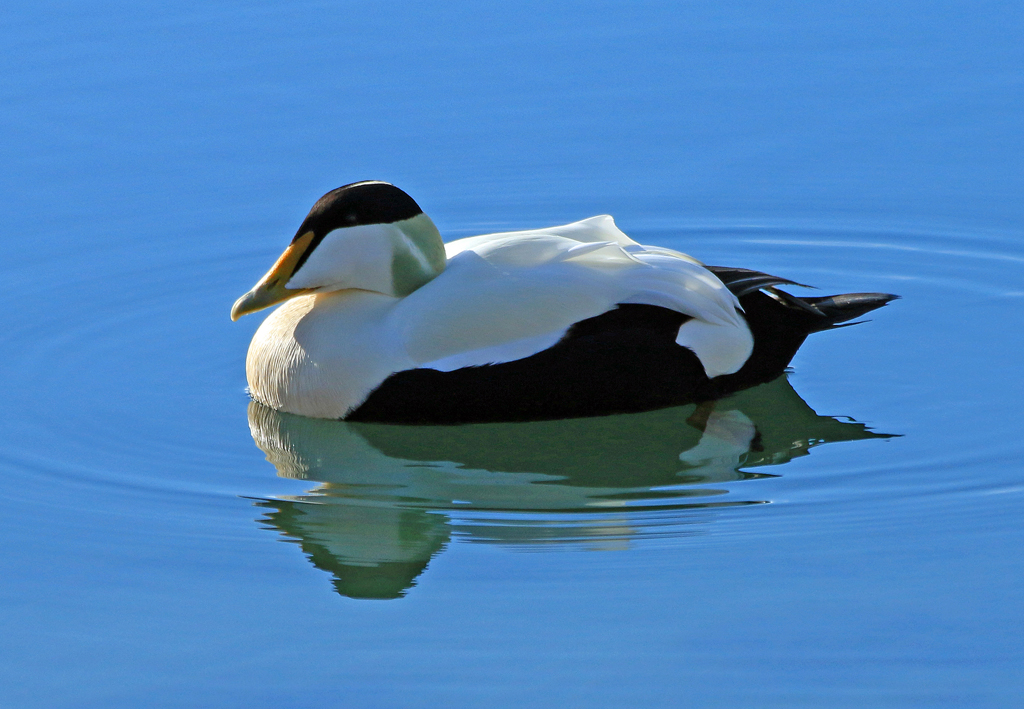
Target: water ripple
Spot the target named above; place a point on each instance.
(131, 380)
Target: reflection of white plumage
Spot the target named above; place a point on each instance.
(385, 322)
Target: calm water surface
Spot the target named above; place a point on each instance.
(848, 535)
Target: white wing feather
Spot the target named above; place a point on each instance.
(600, 228)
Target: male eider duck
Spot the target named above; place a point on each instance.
(382, 321)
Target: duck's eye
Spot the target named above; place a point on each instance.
(351, 218)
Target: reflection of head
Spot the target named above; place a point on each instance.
(386, 492)
(373, 552)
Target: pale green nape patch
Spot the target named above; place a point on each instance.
(419, 255)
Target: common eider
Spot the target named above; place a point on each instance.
(382, 321)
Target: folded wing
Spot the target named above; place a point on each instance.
(507, 296)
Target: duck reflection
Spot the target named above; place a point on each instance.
(388, 498)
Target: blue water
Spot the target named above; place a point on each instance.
(849, 536)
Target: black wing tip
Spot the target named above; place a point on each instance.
(845, 307)
(741, 281)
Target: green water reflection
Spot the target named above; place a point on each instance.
(389, 498)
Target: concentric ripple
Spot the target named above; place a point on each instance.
(129, 382)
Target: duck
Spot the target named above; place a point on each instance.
(379, 320)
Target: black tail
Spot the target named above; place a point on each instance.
(831, 310)
(781, 321)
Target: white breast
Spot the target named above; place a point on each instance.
(321, 355)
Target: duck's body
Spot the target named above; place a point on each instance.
(380, 324)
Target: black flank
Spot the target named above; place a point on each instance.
(621, 361)
(625, 360)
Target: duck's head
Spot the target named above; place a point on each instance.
(367, 235)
